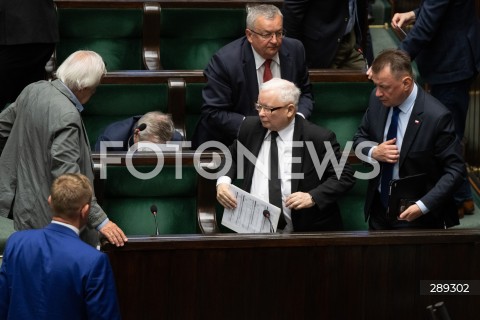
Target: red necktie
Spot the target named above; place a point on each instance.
(267, 72)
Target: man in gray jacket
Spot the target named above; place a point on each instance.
(42, 136)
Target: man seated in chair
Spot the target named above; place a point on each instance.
(154, 126)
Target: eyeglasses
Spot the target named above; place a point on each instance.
(268, 109)
(269, 35)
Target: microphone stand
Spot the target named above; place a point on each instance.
(266, 214)
(156, 225)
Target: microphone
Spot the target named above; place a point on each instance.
(153, 210)
(140, 127)
(266, 214)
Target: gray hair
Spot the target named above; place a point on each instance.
(82, 69)
(268, 11)
(159, 128)
(287, 91)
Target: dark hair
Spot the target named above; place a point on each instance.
(398, 61)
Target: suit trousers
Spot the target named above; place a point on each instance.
(347, 56)
(456, 96)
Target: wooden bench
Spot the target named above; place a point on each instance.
(341, 99)
(336, 275)
(172, 181)
(341, 96)
(149, 35)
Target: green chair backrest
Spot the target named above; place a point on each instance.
(352, 203)
(193, 104)
(113, 102)
(6, 229)
(127, 200)
(340, 106)
(190, 36)
(115, 34)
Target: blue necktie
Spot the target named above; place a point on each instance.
(387, 168)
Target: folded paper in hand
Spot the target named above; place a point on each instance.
(248, 216)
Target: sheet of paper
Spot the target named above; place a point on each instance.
(248, 216)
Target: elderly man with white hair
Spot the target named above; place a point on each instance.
(308, 192)
(42, 136)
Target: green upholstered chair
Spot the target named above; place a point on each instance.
(190, 36)
(193, 104)
(6, 229)
(339, 106)
(114, 33)
(352, 203)
(127, 200)
(113, 102)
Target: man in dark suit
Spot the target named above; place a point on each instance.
(308, 195)
(235, 72)
(50, 273)
(424, 143)
(332, 31)
(445, 43)
(28, 34)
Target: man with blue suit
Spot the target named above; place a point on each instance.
(445, 43)
(50, 273)
(236, 71)
(424, 142)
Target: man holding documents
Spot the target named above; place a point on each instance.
(308, 176)
(415, 134)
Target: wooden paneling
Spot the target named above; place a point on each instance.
(299, 276)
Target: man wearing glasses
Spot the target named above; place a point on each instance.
(310, 184)
(236, 71)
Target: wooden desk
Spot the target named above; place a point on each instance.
(355, 275)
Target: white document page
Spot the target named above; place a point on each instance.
(248, 216)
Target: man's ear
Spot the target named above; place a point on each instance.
(291, 110)
(407, 83)
(50, 201)
(85, 210)
(249, 35)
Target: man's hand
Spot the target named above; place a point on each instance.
(401, 19)
(299, 200)
(114, 234)
(386, 152)
(225, 196)
(411, 213)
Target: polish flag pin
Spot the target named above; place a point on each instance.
(417, 122)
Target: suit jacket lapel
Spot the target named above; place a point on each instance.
(250, 73)
(285, 64)
(414, 124)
